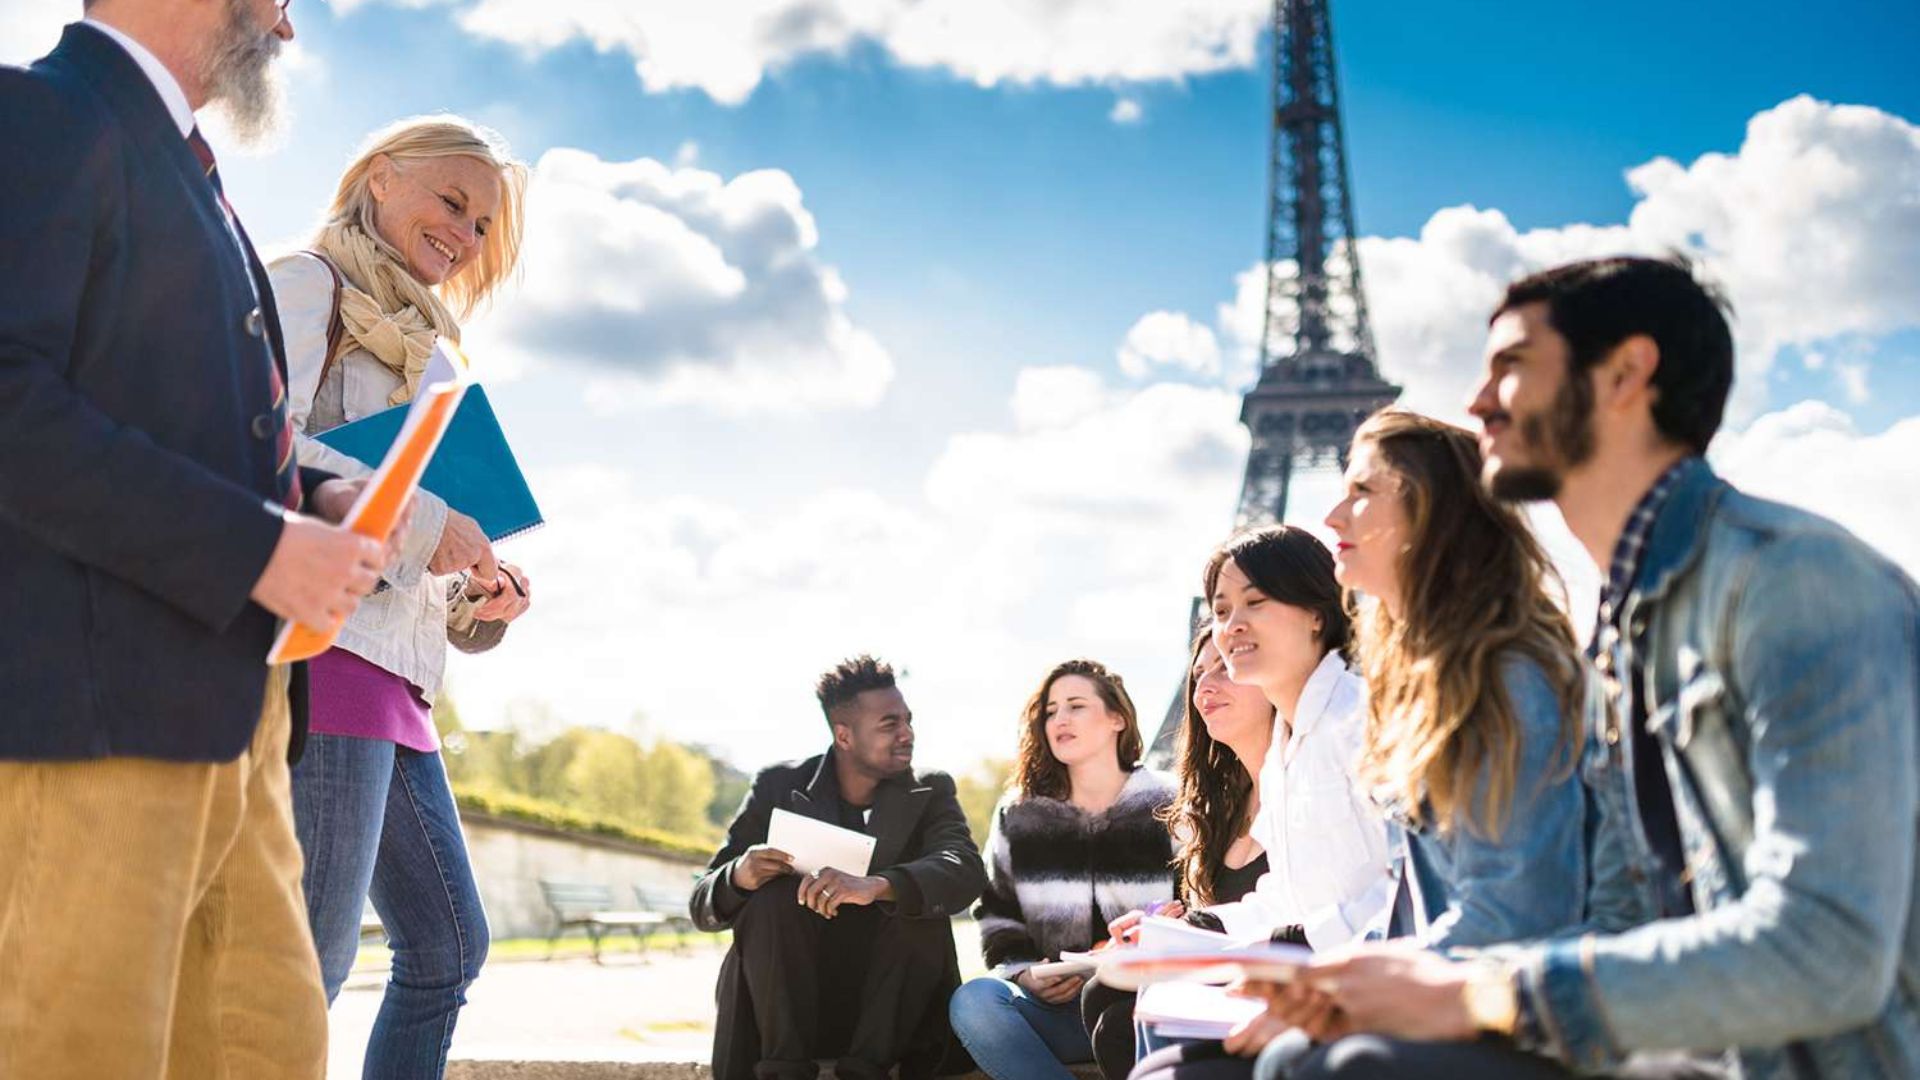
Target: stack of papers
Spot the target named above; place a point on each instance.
(1185, 1010)
(1131, 969)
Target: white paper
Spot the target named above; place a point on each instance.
(1070, 963)
(1184, 1010)
(1161, 934)
(816, 845)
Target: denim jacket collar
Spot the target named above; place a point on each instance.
(1679, 533)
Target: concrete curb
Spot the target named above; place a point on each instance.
(577, 1070)
(475, 1069)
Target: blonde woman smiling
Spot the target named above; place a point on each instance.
(424, 227)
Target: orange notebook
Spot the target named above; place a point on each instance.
(377, 512)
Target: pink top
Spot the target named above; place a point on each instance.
(357, 697)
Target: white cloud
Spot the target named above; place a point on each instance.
(1054, 397)
(1076, 532)
(1811, 229)
(726, 49)
(1126, 110)
(29, 29)
(1169, 339)
(680, 287)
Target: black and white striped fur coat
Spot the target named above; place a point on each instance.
(1049, 863)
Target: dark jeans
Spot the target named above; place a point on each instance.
(860, 986)
(375, 819)
(1371, 1057)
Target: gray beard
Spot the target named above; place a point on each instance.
(239, 77)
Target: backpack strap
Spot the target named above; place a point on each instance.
(336, 327)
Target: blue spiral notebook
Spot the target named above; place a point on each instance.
(474, 469)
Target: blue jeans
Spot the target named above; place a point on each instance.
(1016, 1037)
(376, 819)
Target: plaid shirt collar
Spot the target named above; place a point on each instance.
(1633, 544)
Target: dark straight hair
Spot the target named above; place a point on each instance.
(1287, 564)
(1599, 303)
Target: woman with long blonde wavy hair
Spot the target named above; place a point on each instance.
(425, 225)
(1476, 687)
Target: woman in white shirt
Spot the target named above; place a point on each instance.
(1279, 621)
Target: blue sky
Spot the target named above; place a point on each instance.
(1002, 494)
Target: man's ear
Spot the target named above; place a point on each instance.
(842, 735)
(1625, 377)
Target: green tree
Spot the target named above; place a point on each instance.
(730, 786)
(980, 790)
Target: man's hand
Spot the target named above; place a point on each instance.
(1397, 990)
(317, 572)
(508, 599)
(463, 546)
(825, 890)
(331, 501)
(760, 865)
(1252, 1036)
(1054, 991)
(1297, 1005)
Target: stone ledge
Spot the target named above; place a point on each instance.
(475, 1069)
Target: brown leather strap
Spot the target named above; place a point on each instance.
(335, 326)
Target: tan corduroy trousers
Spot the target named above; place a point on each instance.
(151, 919)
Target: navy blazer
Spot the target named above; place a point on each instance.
(137, 428)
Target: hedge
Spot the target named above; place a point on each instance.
(552, 815)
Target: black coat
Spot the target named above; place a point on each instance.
(921, 840)
(137, 428)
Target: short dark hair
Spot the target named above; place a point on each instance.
(1598, 303)
(1287, 564)
(849, 679)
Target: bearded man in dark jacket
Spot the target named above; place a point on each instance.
(829, 964)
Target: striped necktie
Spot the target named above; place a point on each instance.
(285, 468)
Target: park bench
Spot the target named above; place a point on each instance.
(672, 906)
(590, 907)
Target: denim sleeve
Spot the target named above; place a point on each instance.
(1823, 665)
(1530, 881)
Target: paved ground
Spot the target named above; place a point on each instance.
(627, 1009)
(569, 1009)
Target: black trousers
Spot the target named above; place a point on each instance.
(866, 987)
(1108, 1016)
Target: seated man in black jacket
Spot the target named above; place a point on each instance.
(830, 964)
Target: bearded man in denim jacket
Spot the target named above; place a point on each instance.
(1762, 761)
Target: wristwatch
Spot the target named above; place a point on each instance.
(1492, 1003)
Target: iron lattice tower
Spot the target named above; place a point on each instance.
(1317, 378)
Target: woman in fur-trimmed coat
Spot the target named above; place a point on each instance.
(1076, 843)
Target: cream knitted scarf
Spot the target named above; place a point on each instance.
(383, 307)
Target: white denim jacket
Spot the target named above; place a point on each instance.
(403, 628)
(1326, 841)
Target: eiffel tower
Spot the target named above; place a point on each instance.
(1317, 375)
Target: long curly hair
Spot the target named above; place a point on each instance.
(1209, 811)
(1038, 772)
(1475, 587)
